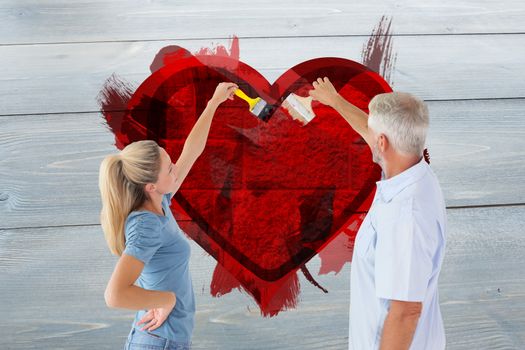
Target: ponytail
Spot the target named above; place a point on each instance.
(122, 178)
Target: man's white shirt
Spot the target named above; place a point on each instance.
(398, 254)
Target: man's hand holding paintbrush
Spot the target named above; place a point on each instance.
(300, 108)
(324, 92)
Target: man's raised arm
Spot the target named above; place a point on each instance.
(325, 93)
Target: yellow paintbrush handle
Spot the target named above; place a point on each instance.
(251, 101)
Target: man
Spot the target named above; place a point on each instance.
(400, 245)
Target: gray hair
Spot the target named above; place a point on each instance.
(403, 118)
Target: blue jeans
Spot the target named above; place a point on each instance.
(141, 340)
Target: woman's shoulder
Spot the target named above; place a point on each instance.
(142, 220)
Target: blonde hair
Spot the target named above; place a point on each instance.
(403, 118)
(122, 178)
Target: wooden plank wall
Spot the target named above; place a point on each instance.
(465, 58)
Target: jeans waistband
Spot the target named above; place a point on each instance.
(147, 338)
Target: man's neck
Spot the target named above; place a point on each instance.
(399, 163)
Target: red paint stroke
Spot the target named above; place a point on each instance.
(113, 100)
(377, 53)
(219, 50)
(339, 251)
(426, 155)
(169, 54)
(256, 199)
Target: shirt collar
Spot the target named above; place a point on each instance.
(163, 218)
(388, 188)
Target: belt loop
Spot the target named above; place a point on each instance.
(167, 344)
(130, 334)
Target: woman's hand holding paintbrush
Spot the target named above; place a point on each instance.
(224, 91)
(198, 136)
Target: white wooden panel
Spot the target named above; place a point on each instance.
(67, 78)
(52, 282)
(98, 20)
(49, 164)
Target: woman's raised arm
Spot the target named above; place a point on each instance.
(196, 140)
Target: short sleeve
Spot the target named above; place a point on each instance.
(143, 237)
(404, 256)
(167, 199)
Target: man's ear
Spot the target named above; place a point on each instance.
(383, 143)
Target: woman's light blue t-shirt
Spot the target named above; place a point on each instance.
(159, 242)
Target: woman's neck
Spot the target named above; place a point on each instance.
(157, 209)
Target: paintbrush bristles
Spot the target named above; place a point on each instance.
(306, 102)
(300, 108)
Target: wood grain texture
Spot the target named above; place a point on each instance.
(49, 164)
(465, 58)
(52, 283)
(97, 20)
(477, 150)
(68, 78)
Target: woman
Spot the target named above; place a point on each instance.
(136, 186)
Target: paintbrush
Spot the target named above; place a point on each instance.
(299, 108)
(259, 107)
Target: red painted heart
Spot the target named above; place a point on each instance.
(263, 198)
